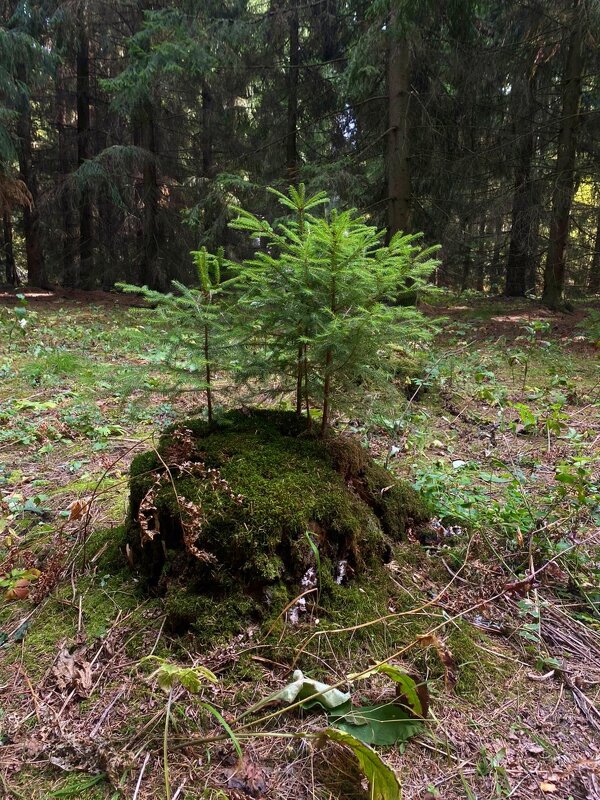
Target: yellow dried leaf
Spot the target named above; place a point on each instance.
(78, 509)
(520, 539)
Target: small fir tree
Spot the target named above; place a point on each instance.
(193, 312)
(275, 306)
(320, 301)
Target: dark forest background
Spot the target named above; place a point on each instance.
(129, 128)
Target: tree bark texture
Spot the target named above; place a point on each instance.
(69, 258)
(36, 269)
(291, 139)
(86, 240)
(522, 246)
(12, 277)
(207, 131)
(397, 164)
(594, 275)
(564, 175)
(145, 137)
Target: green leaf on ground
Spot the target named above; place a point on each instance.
(384, 724)
(311, 692)
(383, 781)
(410, 689)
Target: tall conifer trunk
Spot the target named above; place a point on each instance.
(86, 242)
(523, 219)
(397, 165)
(291, 149)
(106, 237)
(145, 136)
(207, 131)
(594, 275)
(12, 277)
(291, 139)
(481, 257)
(70, 266)
(564, 174)
(36, 268)
(495, 270)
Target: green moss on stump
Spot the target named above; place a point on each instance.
(290, 482)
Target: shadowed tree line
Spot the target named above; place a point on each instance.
(129, 130)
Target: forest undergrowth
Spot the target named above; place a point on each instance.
(497, 609)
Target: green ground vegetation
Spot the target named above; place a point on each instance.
(500, 440)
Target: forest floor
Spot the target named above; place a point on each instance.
(502, 439)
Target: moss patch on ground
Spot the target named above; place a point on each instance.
(373, 616)
(105, 590)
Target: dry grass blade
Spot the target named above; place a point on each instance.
(564, 633)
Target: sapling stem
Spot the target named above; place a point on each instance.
(208, 376)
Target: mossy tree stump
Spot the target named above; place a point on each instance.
(219, 515)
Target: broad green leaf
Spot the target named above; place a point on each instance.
(35, 507)
(383, 781)
(403, 679)
(189, 680)
(302, 688)
(383, 724)
(526, 415)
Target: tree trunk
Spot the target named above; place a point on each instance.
(207, 131)
(535, 253)
(326, 394)
(208, 377)
(466, 257)
(107, 235)
(522, 240)
(397, 166)
(481, 257)
(149, 273)
(86, 241)
(70, 266)
(495, 270)
(291, 139)
(36, 268)
(12, 277)
(594, 277)
(564, 175)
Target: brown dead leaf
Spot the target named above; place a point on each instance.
(78, 509)
(548, 788)
(444, 654)
(534, 749)
(521, 587)
(249, 778)
(422, 691)
(520, 539)
(73, 672)
(20, 591)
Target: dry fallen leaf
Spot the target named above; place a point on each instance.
(20, 591)
(444, 654)
(548, 788)
(78, 509)
(534, 749)
(72, 671)
(520, 539)
(249, 778)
